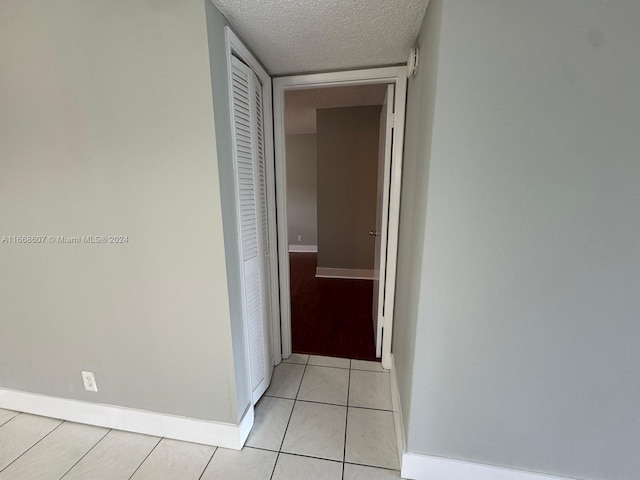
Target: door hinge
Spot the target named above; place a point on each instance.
(393, 120)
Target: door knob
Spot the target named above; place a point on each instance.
(373, 233)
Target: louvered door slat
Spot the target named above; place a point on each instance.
(245, 163)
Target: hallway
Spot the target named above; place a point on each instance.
(322, 418)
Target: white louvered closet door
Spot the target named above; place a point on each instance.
(251, 196)
(264, 213)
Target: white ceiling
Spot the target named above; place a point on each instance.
(296, 36)
(300, 105)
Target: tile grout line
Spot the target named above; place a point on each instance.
(373, 466)
(295, 400)
(346, 422)
(207, 465)
(297, 455)
(86, 453)
(333, 404)
(7, 421)
(341, 368)
(324, 459)
(45, 436)
(369, 408)
(329, 366)
(386, 372)
(145, 458)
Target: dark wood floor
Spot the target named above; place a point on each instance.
(329, 316)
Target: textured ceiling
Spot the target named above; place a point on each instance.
(300, 105)
(296, 36)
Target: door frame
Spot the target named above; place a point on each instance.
(398, 77)
(235, 47)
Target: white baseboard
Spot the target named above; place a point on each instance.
(350, 273)
(397, 410)
(293, 248)
(426, 467)
(120, 418)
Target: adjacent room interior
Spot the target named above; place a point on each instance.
(332, 156)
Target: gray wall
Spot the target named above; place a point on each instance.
(413, 204)
(526, 347)
(302, 191)
(106, 127)
(347, 185)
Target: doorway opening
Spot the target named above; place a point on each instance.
(338, 173)
(332, 138)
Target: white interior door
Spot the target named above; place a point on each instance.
(249, 166)
(382, 217)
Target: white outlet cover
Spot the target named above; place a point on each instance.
(89, 380)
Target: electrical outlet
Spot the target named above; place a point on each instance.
(299, 238)
(89, 380)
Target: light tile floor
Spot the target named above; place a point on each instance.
(322, 418)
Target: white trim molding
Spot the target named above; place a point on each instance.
(218, 434)
(426, 467)
(293, 248)
(347, 273)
